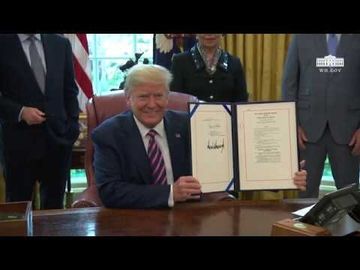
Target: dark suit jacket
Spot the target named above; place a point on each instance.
(227, 84)
(324, 97)
(19, 88)
(122, 168)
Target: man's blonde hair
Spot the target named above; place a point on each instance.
(142, 74)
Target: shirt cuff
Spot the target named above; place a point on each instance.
(20, 113)
(171, 197)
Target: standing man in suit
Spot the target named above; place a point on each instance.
(328, 104)
(39, 115)
(142, 157)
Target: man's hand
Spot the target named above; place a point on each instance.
(300, 177)
(186, 187)
(32, 116)
(355, 142)
(302, 138)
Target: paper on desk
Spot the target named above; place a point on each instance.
(303, 211)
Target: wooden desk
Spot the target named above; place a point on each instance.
(222, 218)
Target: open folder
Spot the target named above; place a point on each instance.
(244, 146)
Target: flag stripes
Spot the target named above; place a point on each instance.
(82, 67)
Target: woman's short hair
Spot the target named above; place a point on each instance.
(146, 73)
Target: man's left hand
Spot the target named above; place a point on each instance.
(355, 143)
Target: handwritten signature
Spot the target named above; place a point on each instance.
(214, 145)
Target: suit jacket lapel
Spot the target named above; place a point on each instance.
(344, 45)
(21, 60)
(138, 152)
(321, 45)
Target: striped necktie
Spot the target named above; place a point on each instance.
(332, 44)
(156, 160)
(36, 64)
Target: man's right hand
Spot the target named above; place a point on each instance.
(302, 138)
(186, 187)
(32, 116)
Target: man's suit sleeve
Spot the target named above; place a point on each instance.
(290, 84)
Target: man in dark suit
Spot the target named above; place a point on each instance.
(129, 172)
(123, 165)
(39, 115)
(327, 92)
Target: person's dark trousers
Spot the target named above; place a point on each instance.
(43, 161)
(344, 166)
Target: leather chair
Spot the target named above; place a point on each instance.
(98, 109)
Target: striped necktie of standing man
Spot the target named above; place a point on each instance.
(36, 64)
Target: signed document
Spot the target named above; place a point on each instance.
(211, 146)
(247, 146)
(267, 145)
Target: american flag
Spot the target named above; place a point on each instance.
(82, 67)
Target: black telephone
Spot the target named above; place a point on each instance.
(334, 206)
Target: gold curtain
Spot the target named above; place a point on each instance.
(263, 57)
